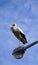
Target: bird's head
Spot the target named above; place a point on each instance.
(13, 26)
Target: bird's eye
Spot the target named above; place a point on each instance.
(13, 24)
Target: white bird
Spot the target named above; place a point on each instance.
(18, 33)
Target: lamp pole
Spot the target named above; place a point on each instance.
(30, 45)
(19, 52)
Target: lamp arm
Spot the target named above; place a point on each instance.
(30, 45)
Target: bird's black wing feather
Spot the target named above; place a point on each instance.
(24, 38)
(23, 35)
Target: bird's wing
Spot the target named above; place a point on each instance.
(23, 37)
(22, 33)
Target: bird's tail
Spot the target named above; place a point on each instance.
(24, 41)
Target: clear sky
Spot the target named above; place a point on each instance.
(25, 14)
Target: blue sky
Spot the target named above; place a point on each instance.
(25, 14)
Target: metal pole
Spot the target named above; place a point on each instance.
(30, 45)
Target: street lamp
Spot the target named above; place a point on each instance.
(19, 52)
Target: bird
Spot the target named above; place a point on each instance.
(17, 31)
